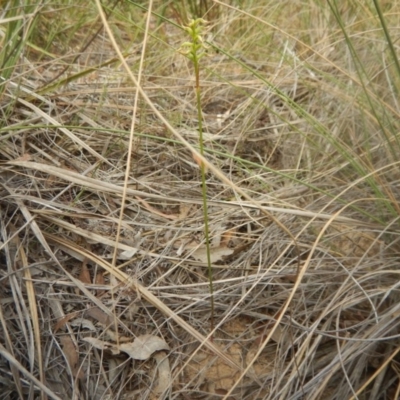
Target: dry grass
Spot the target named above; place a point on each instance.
(302, 147)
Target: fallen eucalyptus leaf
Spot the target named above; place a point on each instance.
(144, 346)
(164, 380)
(217, 254)
(101, 345)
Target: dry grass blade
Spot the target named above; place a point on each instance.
(101, 210)
(9, 347)
(99, 185)
(27, 374)
(75, 139)
(33, 315)
(148, 296)
(374, 376)
(128, 281)
(78, 179)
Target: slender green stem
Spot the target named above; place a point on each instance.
(194, 51)
(204, 193)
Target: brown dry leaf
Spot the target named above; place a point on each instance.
(71, 355)
(84, 275)
(83, 323)
(127, 254)
(116, 337)
(99, 315)
(99, 280)
(144, 346)
(61, 322)
(140, 349)
(217, 253)
(102, 345)
(164, 380)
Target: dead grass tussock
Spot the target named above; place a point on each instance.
(286, 122)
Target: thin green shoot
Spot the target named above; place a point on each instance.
(194, 51)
